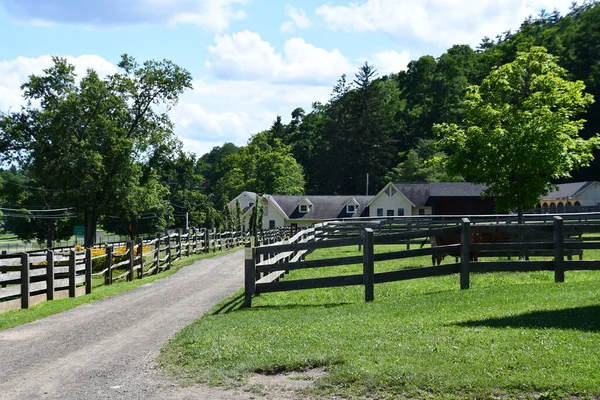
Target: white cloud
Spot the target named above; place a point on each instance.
(231, 111)
(15, 72)
(212, 15)
(390, 61)
(213, 113)
(245, 56)
(299, 19)
(443, 22)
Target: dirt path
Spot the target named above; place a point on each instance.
(106, 350)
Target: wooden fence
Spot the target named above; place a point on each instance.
(27, 279)
(558, 239)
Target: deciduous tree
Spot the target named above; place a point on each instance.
(521, 131)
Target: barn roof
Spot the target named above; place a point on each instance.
(419, 193)
(566, 190)
(323, 207)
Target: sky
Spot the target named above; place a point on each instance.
(251, 60)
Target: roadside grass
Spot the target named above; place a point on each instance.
(14, 318)
(9, 238)
(515, 335)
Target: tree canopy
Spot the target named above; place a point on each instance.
(90, 140)
(521, 130)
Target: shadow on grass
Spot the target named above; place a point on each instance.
(579, 318)
(299, 306)
(231, 305)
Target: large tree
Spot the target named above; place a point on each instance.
(91, 140)
(521, 130)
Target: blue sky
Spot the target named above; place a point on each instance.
(251, 59)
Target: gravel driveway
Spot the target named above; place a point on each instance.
(106, 350)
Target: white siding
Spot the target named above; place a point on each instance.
(591, 196)
(386, 203)
(245, 199)
(274, 215)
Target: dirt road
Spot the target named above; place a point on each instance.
(106, 350)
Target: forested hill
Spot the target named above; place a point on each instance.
(382, 125)
(134, 178)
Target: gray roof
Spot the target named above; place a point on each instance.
(568, 190)
(324, 207)
(419, 193)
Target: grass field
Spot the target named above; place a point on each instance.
(512, 335)
(14, 318)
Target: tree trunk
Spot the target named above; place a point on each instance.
(49, 226)
(90, 221)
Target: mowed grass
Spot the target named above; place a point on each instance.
(515, 335)
(14, 318)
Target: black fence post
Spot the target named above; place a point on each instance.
(465, 250)
(250, 275)
(559, 254)
(72, 273)
(131, 260)
(49, 275)
(141, 254)
(109, 263)
(368, 265)
(168, 253)
(25, 281)
(88, 271)
(206, 240)
(157, 249)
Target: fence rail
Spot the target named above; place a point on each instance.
(470, 243)
(27, 279)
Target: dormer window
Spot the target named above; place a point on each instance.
(351, 206)
(304, 206)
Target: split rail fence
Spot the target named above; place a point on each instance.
(27, 279)
(554, 239)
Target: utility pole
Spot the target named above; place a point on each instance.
(367, 184)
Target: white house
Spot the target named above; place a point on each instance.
(247, 201)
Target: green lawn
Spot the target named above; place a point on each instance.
(510, 335)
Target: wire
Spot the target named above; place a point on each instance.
(32, 216)
(177, 205)
(40, 210)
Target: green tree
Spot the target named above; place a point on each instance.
(521, 130)
(20, 192)
(87, 140)
(265, 165)
(424, 163)
(238, 215)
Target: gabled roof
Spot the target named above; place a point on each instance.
(419, 193)
(352, 200)
(382, 191)
(324, 207)
(565, 190)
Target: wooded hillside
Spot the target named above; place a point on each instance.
(380, 125)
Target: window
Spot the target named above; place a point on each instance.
(303, 208)
(350, 208)
(400, 212)
(250, 204)
(271, 224)
(421, 211)
(380, 212)
(390, 213)
(390, 191)
(266, 211)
